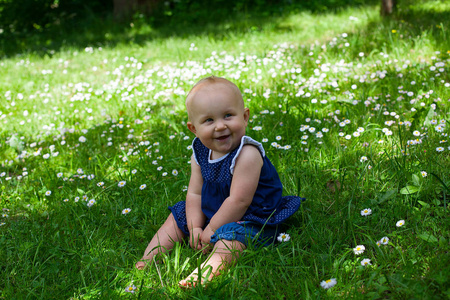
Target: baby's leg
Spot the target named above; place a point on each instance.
(224, 254)
(162, 241)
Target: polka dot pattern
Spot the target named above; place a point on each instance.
(213, 171)
(268, 206)
(289, 205)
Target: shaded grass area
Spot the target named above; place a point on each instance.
(219, 26)
(216, 20)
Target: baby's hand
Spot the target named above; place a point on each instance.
(206, 238)
(195, 238)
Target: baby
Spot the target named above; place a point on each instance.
(234, 195)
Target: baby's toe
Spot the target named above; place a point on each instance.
(140, 265)
(186, 284)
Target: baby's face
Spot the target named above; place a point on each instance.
(218, 117)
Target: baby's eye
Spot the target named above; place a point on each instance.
(208, 120)
(228, 115)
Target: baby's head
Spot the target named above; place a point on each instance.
(214, 85)
(217, 115)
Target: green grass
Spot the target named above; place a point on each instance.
(127, 101)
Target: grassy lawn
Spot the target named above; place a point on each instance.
(353, 110)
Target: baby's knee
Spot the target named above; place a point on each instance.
(170, 221)
(170, 228)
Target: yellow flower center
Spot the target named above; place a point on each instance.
(328, 281)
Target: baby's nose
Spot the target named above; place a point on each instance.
(221, 125)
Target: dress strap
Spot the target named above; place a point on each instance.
(194, 148)
(246, 140)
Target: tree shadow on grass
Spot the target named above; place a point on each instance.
(412, 22)
(92, 30)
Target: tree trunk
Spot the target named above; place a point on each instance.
(125, 8)
(387, 7)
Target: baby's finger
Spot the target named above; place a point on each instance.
(199, 245)
(206, 248)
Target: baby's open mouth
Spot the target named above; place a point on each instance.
(223, 137)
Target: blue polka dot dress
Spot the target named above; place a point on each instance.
(268, 207)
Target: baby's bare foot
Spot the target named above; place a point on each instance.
(193, 279)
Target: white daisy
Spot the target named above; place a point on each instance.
(366, 212)
(121, 183)
(366, 262)
(283, 237)
(400, 223)
(359, 249)
(384, 240)
(326, 284)
(130, 289)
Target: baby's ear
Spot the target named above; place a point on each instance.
(246, 114)
(191, 127)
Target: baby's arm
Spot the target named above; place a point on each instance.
(243, 186)
(194, 215)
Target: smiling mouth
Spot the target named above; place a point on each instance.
(223, 137)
